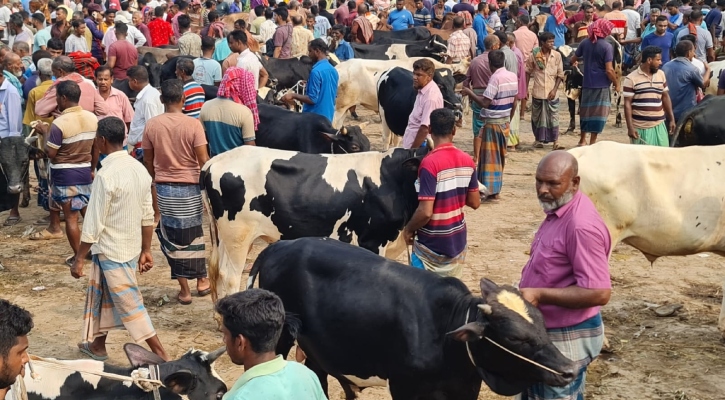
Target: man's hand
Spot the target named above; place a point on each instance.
(552, 94)
(531, 295)
(672, 126)
(707, 83)
(408, 236)
(77, 269)
(145, 261)
(288, 97)
(631, 132)
(42, 128)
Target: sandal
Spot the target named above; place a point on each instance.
(557, 146)
(12, 221)
(182, 302)
(85, 349)
(538, 145)
(204, 292)
(46, 235)
(70, 261)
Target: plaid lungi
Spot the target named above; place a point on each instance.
(114, 301)
(76, 195)
(425, 258)
(180, 230)
(493, 153)
(477, 121)
(513, 139)
(41, 172)
(594, 109)
(580, 343)
(545, 119)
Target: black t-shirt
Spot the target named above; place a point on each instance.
(329, 16)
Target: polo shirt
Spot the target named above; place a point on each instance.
(400, 20)
(429, 98)
(646, 93)
(446, 175)
(421, 17)
(501, 90)
(664, 42)
(277, 379)
(322, 89)
(344, 51)
(571, 247)
(193, 99)
(683, 79)
(227, 124)
(72, 135)
(595, 55)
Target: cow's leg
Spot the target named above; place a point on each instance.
(721, 320)
(572, 114)
(26, 192)
(312, 364)
(385, 133)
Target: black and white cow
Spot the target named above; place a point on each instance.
(191, 377)
(15, 156)
(373, 320)
(435, 48)
(306, 132)
(286, 73)
(396, 98)
(417, 33)
(363, 198)
(572, 83)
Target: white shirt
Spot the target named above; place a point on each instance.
(76, 43)
(153, 4)
(251, 63)
(120, 206)
(266, 31)
(451, 3)
(633, 23)
(147, 105)
(25, 36)
(699, 65)
(5, 19)
(134, 36)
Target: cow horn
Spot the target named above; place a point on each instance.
(363, 125)
(485, 308)
(31, 139)
(211, 357)
(343, 131)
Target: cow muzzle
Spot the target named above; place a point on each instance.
(15, 189)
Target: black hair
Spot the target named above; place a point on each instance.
(241, 23)
(545, 36)
(256, 314)
(268, 13)
(121, 28)
(650, 52)
(103, 68)
(315, 10)
(38, 17)
(496, 59)
(139, 73)
(323, 4)
(172, 90)
(282, 12)
(158, 12)
(660, 18)
(182, 5)
(186, 66)
(319, 44)
(113, 129)
(39, 55)
(502, 37)
(70, 90)
(77, 23)
(184, 21)
(207, 43)
(524, 19)
(213, 16)
(55, 44)
(14, 323)
(683, 48)
(124, 6)
(259, 10)
(695, 15)
(442, 122)
(239, 36)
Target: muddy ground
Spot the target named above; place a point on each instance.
(680, 357)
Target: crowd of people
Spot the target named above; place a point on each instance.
(61, 61)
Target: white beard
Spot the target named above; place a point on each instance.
(558, 203)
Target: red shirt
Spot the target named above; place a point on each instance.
(160, 32)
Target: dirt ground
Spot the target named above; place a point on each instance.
(679, 358)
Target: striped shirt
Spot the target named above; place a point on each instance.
(501, 90)
(459, 46)
(121, 204)
(193, 99)
(646, 93)
(446, 175)
(72, 135)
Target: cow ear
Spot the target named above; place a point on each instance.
(468, 332)
(412, 164)
(180, 382)
(488, 287)
(459, 78)
(138, 356)
(330, 137)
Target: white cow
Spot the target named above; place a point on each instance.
(662, 201)
(716, 67)
(358, 80)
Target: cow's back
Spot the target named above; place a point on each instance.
(663, 201)
(396, 96)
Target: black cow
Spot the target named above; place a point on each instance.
(192, 376)
(435, 47)
(396, 98)
(285, 73)
(148, 60)
(256, 192)
(168, 71)
(371, 318)
(573, 82)
(15, 156)
(699, 126)
(306, 132)
(417, 33)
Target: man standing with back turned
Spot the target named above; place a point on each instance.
(567, 276)
(321, 90)
(448, 182)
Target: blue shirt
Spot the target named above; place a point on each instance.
(713, 18)
(322, 89)
(222, 50)
(400, 20)
(233, 8)
(11, 114)
(557, 29)
(41, 39)
(479, 25)
(344, 51)
(421, 17)
(664, 42)
(683, 79)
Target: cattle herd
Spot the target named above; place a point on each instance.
(333, 211)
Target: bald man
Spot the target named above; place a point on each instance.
(567, 276)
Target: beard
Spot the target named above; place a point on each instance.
(7, 378)
(17, 74)
(653, 70)
(557, 203)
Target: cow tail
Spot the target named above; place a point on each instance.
(290, 332)
(255, 271)
(213, 267)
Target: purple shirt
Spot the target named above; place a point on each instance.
(175, 25)
(571, 247)
(595, 56)
(145, 32)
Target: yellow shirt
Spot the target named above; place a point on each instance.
(33, 96)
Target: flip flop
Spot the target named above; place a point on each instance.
(558, 147)
(85, 349)
(45, 235)
(183, 302)
(204, 292)
(43, 221)
(70, 261)
(12, 221)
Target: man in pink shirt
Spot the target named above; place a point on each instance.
(429, 98)
(64, 70)
(567, 276)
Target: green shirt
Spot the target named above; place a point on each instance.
(277, 380)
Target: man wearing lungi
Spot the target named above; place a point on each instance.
(496, 111)
(546, 68)
(117, 229)
(477, 76)
(567, 276)
(174, 148)
(598, 76)
(447, 183)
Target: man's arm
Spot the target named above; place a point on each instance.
(612, 76)
(420, 218)
(96, 211)
(573, 297)
(420, 136)
(669, 113)
(202, 155)
(482, 102)
(111, 61)
(631, 131)
(263, 77)
(44, 107)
